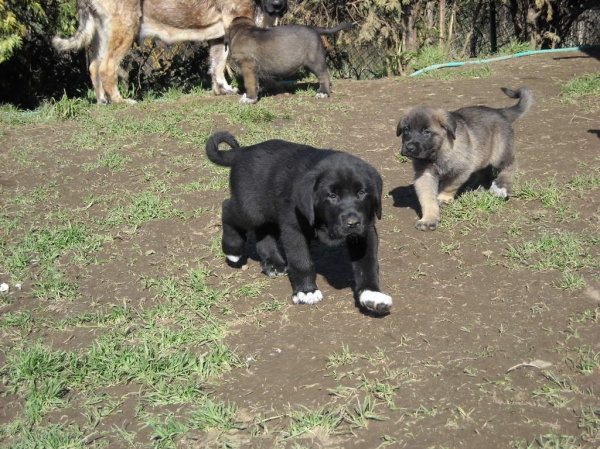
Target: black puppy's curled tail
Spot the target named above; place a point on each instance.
(517, 111)
(225, 158)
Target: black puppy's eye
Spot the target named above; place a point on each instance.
(406, 129)
(426, 132)
(361, 192)
(332, 195)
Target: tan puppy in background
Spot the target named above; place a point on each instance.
(455, 150)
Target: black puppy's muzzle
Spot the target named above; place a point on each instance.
(351, 221)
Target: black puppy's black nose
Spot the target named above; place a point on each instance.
(410, 146)
(352, 222)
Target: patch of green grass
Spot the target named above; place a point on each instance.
(253, 289)
(214, 415)
(580, 86)
(549, 441)
(514, 46)
(42, 246)
(589, 420)
(570, 281)
(587, 360)
(561, 250)
(35, 196)
(428, 56)
(585, 182)
(54, 436)
(304, 421)
(111, 160)
(583, 90)
(549, 192)
(144, 207)
(473, 208)
(475, 71)
(68, 108)
(345, 357)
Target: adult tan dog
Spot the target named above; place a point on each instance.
(281, 51)
(456, 150)
(111, 26)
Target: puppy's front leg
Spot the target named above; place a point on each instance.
(363, 255)
(426, 185)
(301, 269)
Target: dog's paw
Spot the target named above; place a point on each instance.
(376, 302)
(307, 298)
(247, 100)
(500, 192)
(129, 101)
(272, 270)
(223, 88)
(321, 95)
(427, 225)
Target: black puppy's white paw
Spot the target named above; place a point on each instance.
(376, 302)
(307, 298)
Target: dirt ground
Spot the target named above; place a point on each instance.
(464, 312)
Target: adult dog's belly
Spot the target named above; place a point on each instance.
(172, 35)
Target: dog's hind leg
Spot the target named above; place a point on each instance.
(234, 238)
(502, 185)
(98, 47)
(319, 68)
(218, 62)
(363, 255)
(270, 258)
(119, 40)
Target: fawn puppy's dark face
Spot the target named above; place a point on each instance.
(424, 131)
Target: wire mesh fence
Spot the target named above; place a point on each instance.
(469, 29)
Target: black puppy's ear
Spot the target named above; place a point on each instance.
(377, 190)
(401, 125)
(379, 194)
(447, 121)
(303, 197)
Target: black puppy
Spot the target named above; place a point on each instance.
(292, 193)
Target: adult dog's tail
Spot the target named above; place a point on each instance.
(225, 158)
(340, 27)
(517, 111)
(84, 34)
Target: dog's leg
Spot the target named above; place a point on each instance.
(301, 269)
(427, 185)
(270, 259)
(249, 72)
(502, 185)
(120, 40)
(363, 254)
(319, 68)
(218, 61)
(324, 86)
(234, 238)
(98, 49)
